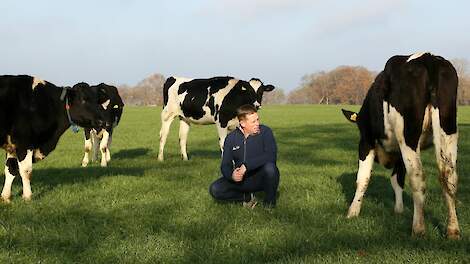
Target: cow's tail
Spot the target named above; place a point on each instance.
(427, 61)
(168, 83)
(443, 79)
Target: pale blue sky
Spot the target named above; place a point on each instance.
(278, 41)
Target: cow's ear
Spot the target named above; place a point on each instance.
(71, 92)
(102, 95)
(80, 86)
(268, 88)
(351, 116)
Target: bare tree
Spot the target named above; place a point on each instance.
(276, 96)
(463, 92)
(149, 91)
(345, 84)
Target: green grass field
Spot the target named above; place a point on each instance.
(139, 210)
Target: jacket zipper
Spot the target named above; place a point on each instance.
(244, 150)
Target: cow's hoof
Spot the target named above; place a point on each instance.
(160, 158)
(453, 234)
(349, 216)
(26, 198)
(353, 212)
(104, 165)
(84, 164)
(398, 209)
(418, 233)
(6, 200)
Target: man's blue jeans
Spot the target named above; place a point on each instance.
(265, 178)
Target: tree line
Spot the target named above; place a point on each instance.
(342, 85)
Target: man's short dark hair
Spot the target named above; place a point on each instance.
(245, 110)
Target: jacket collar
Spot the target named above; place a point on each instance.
(240, 130)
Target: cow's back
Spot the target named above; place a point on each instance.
(12, 89)
(425, 78)
(408, 86)
(26, 108)
(15, 97)
(196, 100)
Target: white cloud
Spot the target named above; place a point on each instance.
(361, 15)
(256, 8)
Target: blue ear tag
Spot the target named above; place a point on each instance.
(75, 128)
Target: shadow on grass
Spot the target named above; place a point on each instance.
(157, 232)
(130, 153)
(83, 233)
(205, 153)
(49, 178)
(394, 232)
(380, 192)
(152, 232)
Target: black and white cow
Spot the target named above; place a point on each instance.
(410, 105)
(33, 115)
(206, 101)
(99, 139)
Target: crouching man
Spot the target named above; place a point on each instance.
(248, 163)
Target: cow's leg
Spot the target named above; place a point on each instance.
(88, 148)
(366, 160)
(95, 142)
(411, 126)
(26, 170)
(414, 170)
(183, 136)
(446, 156)
(398, 184)
(104, 148)
(11, 170)
(108, 151)
(222, 131)
(167, 117)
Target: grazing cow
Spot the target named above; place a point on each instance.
(411, 103)
(99, 139)
(33, 115)
(206, 101)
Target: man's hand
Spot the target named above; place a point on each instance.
(237, 175)
(242, 169)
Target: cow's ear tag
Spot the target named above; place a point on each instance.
(350, 116)
(75, 128)
(353, 117)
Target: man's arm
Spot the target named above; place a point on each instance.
(226, 167)
(269, 153)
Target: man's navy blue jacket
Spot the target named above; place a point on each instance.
(254, 151)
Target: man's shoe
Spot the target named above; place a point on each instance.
(251, 203)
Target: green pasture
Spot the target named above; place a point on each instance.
(139, 210)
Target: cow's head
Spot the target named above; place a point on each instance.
(350, 116)
(111, 102)
(84, 107)
(260, 88)
(247, 93)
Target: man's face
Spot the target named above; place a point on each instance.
(250, 124)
